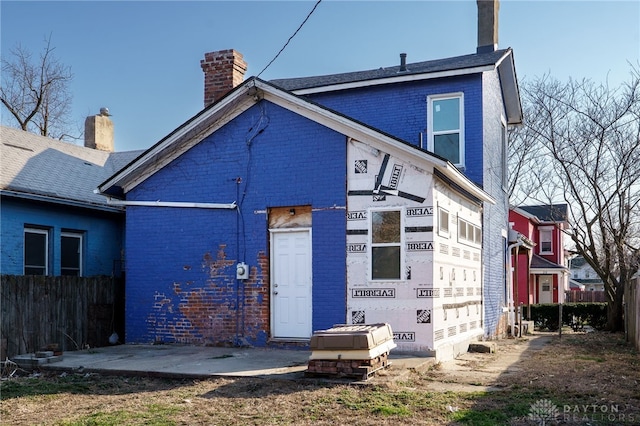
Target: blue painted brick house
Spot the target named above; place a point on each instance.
(287, 207)
(52, 222)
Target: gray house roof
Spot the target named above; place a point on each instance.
(446, 64)
(500, 60)
(39, 168)
(548, 213)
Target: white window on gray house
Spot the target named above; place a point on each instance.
(546, 241)
(71, 254)
(446, 127)
(386, 244)
(36, 251)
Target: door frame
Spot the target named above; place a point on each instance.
(541, 283)
(272, 311)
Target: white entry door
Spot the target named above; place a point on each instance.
(545, 293)
(291, 302)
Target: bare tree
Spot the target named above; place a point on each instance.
(36, 93)
(584, 147)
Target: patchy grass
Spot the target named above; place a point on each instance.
(579, 370)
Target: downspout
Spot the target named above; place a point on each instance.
(510, 248)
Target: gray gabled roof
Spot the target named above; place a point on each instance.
(243, 97)
(548, 212)
(500, 60)
(39, 168)
(447, 64)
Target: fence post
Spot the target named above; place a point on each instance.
(560, 320)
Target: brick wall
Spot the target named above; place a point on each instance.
(401, 110)
(223, 70)
(181, 284)
(496, 217)
(103, 235)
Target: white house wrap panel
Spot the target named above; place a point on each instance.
(400, 269)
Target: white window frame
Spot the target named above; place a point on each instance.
(441, 230)
(41, 231)
(431, 134)
(547, 230)
(472, 233)
(401, 244)
(79, 236)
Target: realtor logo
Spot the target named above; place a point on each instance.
(357, 317)
(423, 316)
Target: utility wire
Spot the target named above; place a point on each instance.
(290, 38)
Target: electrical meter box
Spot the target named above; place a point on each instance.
(242, 271)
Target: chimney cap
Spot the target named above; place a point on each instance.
(104, 111)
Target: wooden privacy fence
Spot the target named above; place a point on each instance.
(72, 312)
(632, 315)
(580, 296)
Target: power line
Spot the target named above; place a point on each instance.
(290, 38)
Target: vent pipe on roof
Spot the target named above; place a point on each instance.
(403, 62)
(487, 25)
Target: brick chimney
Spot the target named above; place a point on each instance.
(223, 70)
(487, 25)
(98, 131)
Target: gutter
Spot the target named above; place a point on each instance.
(187, 205)
(60, 201)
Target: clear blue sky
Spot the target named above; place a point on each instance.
(142, 59)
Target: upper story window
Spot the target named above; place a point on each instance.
(36, 251)
(386, 244)
(71, 254)
(446, 127)
(546, 241)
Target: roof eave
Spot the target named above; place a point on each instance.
(510, 89)
(241, 98)
(396, 79)
(59, 201)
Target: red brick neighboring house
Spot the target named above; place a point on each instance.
(539, 271)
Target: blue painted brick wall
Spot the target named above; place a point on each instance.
(401, 110)
(181, 262)
(102, 233)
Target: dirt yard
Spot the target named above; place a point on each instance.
(585, 379)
